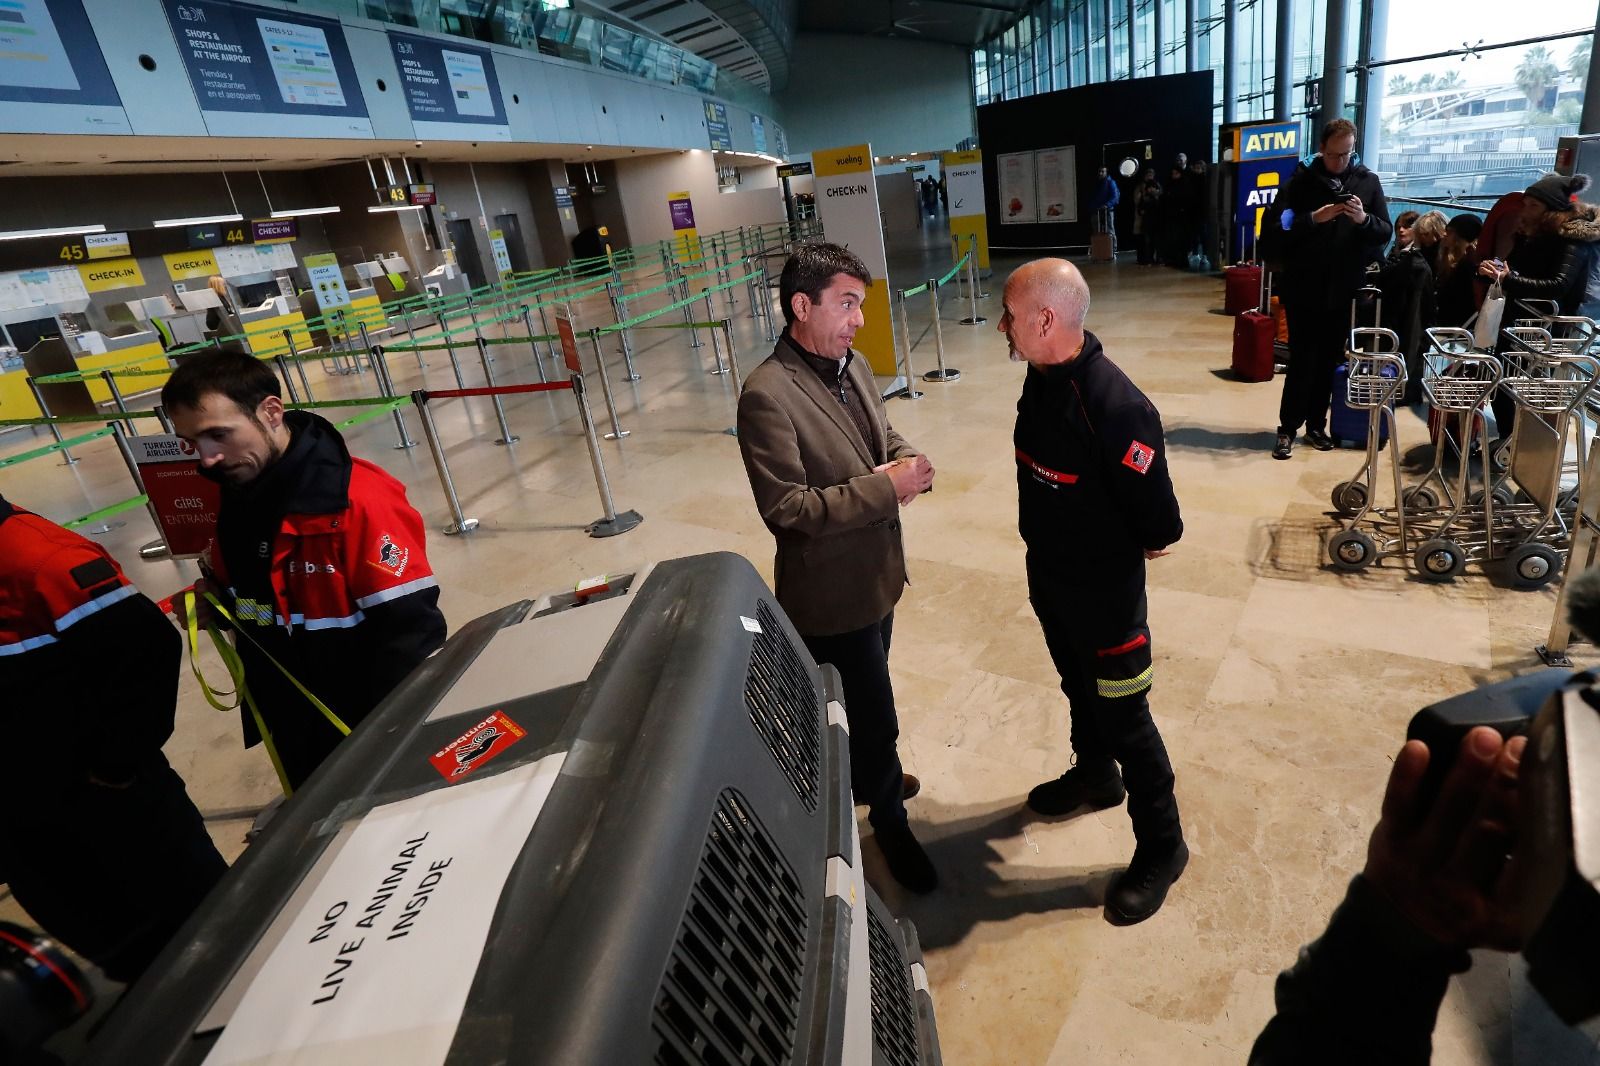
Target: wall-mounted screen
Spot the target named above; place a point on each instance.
(451, 89)
(49, 56)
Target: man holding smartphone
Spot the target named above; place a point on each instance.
(1341, 223)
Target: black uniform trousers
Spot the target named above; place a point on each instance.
(1317, 338)
(1100, 644)
(862, 658)
(112, 872)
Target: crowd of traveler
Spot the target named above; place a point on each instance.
(1170, 217)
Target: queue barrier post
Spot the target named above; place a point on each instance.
(411, 339)
(380, 367)
(733, 369)
(617, 432)
(283, 372)
(611, 523)
(164, 419)
(974, 319)
(116, 397)
(688, 312)
(716, 349)
(506, 436)
(624, 334)
(549, 345)
(944, 373)
(155, 549)
(459, 522)
(450, 346)
(533, 345)
(910, 392)
(299, 365)
(55, 431)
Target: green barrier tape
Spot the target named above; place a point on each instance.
(106, 512)
(684, 325)
(368, 416)
(906, 294)
(353, 401)
(70, 442)
(955, 269)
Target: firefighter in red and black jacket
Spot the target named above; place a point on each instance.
(1095, 503)
(89, 679)
(319, 554)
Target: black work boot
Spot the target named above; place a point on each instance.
(908, 863)
(1094, 786)
(1142, 888)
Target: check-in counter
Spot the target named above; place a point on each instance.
(16, 400)
(366, 308)
(336, 325)
(95, 351)
(445, 280)
(264, 327)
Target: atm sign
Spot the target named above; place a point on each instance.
(1267, 142)
(111, 274)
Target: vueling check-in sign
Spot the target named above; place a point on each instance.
(111, 274)
(1267, 142)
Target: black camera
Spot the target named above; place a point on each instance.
(1558, 819)
(41, 992)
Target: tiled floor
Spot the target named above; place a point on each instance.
(1283, 688)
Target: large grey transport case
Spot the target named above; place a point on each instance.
(607, 828)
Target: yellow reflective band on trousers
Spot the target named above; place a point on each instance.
(1113, 688)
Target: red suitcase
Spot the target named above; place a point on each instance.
(1253, 333)
(1241, 288)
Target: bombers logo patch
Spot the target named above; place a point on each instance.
(1139, 457)
(392, 557)
(477, 746)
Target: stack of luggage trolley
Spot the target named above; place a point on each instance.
(1516, 508)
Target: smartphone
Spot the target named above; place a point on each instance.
(1508, 707)
(1347, 197)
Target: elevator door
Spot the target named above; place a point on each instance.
(510, 228)
(467, 257)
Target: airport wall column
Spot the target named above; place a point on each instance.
(1283, 76)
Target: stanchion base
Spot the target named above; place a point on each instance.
(977, 321)
(408, 443)
(610, 527)
(70, 460)
(724, 370)
(508, 440)
(909, 393)
(618, 435)
(732, 431)
(697, 344)
(467, 526)
(632, 377)
(1553, 658)
(947, 374)
(106, 527)
(156, 549)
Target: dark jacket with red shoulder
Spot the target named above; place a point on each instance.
(325, 564)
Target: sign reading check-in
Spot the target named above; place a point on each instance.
(847, 203)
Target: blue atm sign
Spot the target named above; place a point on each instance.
(1267, 142)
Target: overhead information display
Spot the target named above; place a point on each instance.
(293, 71)
(451, 89)
(49, 55)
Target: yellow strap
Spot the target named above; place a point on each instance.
(241, 690)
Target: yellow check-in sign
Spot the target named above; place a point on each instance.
(181, 266)
(111, 274)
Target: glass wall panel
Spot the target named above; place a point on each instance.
(1078, 16)
(1144, 35)
(1060, 62)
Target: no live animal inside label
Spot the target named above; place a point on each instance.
(376, 967)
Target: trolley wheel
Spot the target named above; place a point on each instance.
(1421, 498)
(1533, 565)
(1349, 497)
(1568, 500)
(1503, 497)
(1352, 550)
(1439, 560)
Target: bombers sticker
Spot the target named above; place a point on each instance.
(477, 746)
(392, 557)
(1139, 457)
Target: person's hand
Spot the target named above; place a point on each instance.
(1148, 554)
(1327, 213)
(205, 615)
(1494, 270)
(912, 476)
(1354, 210)
(1450, 869)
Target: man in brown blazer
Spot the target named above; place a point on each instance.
(830, 476)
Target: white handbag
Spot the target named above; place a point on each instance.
(1487, 329)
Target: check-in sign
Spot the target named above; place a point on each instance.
(105, 245)
(111, 274)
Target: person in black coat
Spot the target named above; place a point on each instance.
(1551, 258)
(1339, 225)
(1453, 300)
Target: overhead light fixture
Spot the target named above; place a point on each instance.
(58, 231)
(203, 220)
(384, 208)
(198, 220)
(292, 213)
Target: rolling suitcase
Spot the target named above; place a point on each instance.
(1346, 425)
(1241, 288)
(1100, 247)
(1253, 333)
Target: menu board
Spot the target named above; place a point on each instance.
(1055, 170)
(266, 62)
(49, 56)
(1017, 202)
(451, 89)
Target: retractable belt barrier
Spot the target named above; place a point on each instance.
(932, 287)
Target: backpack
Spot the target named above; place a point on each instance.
(1272, 245)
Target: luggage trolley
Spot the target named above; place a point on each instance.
(1457, 382)
(1377, 376)
(1551, 381)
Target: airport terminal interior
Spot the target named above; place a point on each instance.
(401, 206)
